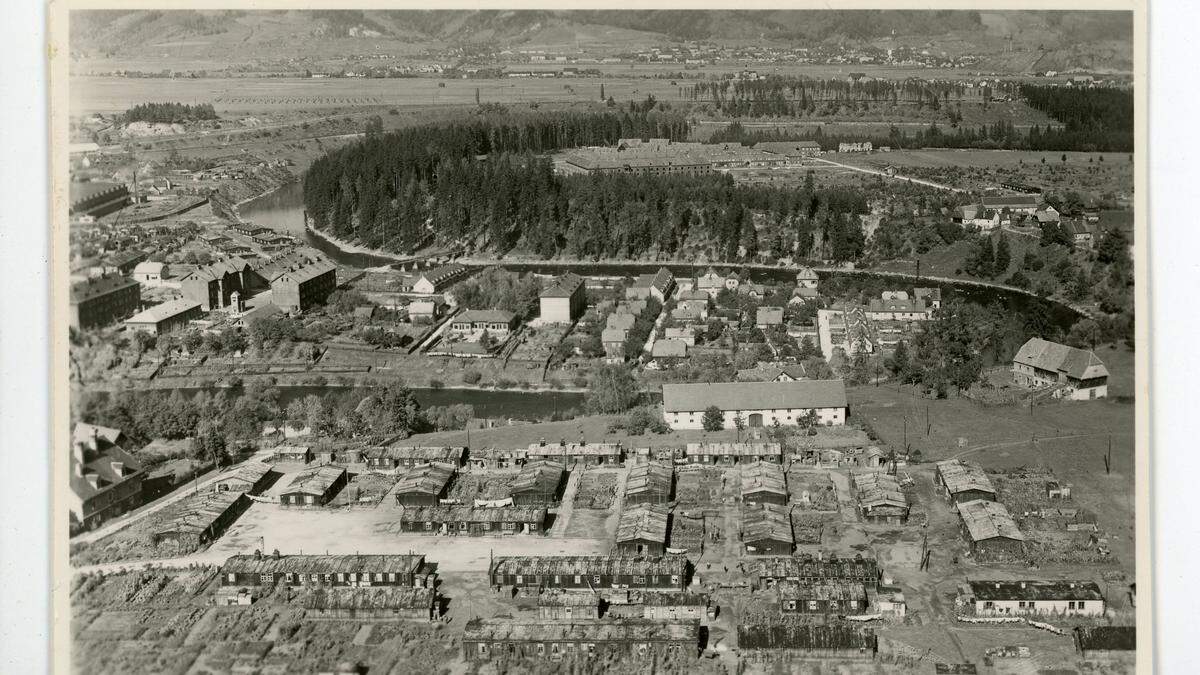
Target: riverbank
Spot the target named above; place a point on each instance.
(351, 247)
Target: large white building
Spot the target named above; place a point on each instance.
(1079, 374)
(1034, 598)
(759, 404)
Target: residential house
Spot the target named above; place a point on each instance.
(613, 340)
(151, 273)
(758, 404)
(658, 286)
(684, 334)
(299, 279)
(436, 279)
(711, 283)
(106, 479)
(1081, 234)
(425, 311)
(1077, 374)
(881, 309)
(497, 322)
(807, 278)
(213, 285)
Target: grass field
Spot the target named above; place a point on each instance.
(986, 159)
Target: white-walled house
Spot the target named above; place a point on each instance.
(1079, 372)
(759, 404)
(1034, 598)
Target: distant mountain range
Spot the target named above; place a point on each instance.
(262, 34)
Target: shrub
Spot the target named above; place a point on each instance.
(436, 383)
(504, 383)
(471, 376)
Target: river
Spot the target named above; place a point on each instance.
(283, 209)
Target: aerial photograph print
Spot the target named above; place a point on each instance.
(686, 341)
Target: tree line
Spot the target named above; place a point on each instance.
(169, 112)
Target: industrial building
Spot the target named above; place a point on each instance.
(103, 300)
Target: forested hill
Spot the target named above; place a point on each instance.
(482, 187)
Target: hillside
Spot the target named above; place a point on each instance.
(1011, 40)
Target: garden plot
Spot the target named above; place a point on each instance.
(597, 490)
(365, 490)
(700, 485)
(150, 588)
(811, 490)
(469, 486)
(808, 529)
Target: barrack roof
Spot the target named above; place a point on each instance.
(378, 597)
(315, 481)
(589, 565)
(96, 286)
(1036, 590)
(804, 636)
(196, 513)
(539, 476)
(325, 564)
(822, 590)
(771, 522)
(755, 395)
(988, 520)
(650, 478)
(559, 449)
(425, 479)
(784, 567)
(960, 476)
(735, 449)
(642, 523)
(251, 472)
(877, 488)
(763, 477)
(627, 630)
(1114, 638)
(468, 514)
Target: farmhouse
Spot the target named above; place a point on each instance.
(767, 530)
(990, 530)
(199, 519)
(588, 454)
(466, 520)
(757, 403)
(106, 480)
(408, 570)
(568, 605)
(764, 483)
(649, 483)
(498, 322)
(251, 477)
(880, 499)
(1027, 204)
(1024, 598)
(554, 640)
(1082, 236)
(369, 603)
(396, 456)
(822, 597)
(165, 318)
(590, 572)
(564, 300)
(642, 530)
(1076, 374)
(774, 642)
(424, 485)
(314, 487)
(539, 483)
(733, 453)
(963, 482)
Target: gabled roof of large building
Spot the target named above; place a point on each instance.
(590, 565)
(166, 310)
(485, 316)
(110, 465)
(988, 520)
(662, 279)
(804, 636)
(299, 264)
(218, 269)
(564, 286)
(755, 395)
(650, 478)
(1054, 357)
(315, 481)
(96, 286)
(425, 479)
(324, 564)
(1036, 590)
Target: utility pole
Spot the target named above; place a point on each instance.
(918, 268)
(928, 426)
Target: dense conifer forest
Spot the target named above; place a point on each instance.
(170, 112)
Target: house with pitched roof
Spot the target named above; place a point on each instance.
(213, 285)
(658, 286)
(642, 530)
(106, 479)
(990, 530)
(1078, 374)
(99, 301)
(757, 403)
